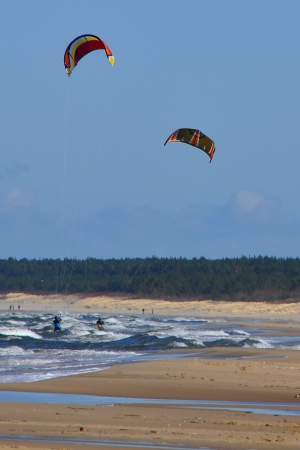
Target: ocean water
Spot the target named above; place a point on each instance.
(30, 350)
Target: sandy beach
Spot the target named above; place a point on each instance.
(288, 311)
(221, 374)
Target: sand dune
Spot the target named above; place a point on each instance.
(114, 304)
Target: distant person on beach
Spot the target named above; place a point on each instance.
(143, 310)
(99, 323)
(56, 323)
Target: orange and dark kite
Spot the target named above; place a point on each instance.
(195, 138)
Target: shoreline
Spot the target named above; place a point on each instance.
(259, 375)
(216, 373)
(179, 377)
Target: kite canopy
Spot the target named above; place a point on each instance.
(195, 138)
(80, 47)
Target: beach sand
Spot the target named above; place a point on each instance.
(232, 374)
(289, 311)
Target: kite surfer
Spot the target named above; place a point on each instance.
(99, 323)
(56, 323)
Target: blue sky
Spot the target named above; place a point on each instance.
(83, 170)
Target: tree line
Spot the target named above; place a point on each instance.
(245, 278)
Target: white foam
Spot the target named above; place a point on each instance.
(14, 350)
(6, 331)
(16, 322)
(77, 332)
(190, 319)
(101, 332)
(289, 347)
(180, 344)
(240, 332)
(259, 344)
(199, 344)
(110, 336)
(113, 320)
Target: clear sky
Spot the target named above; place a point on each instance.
(84, 171)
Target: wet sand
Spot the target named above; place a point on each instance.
(232, 374)
(210, 374)
(186, 427)
(237, 374)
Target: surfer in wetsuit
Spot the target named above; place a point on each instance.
(99, 323)
(56, 323)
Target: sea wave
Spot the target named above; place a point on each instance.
(30, 350)
(6, 331)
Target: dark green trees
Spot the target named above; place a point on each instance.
(257, 278)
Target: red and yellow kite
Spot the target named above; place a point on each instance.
(80, 47)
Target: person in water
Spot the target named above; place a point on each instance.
(99, 323)
(56, 323)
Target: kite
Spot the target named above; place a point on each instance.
(195, 138)
(80, 47)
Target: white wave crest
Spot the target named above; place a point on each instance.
(14, 350)
(240, 332)
(259, 344)
(16, 323)
(180, 345)
(6, 331)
